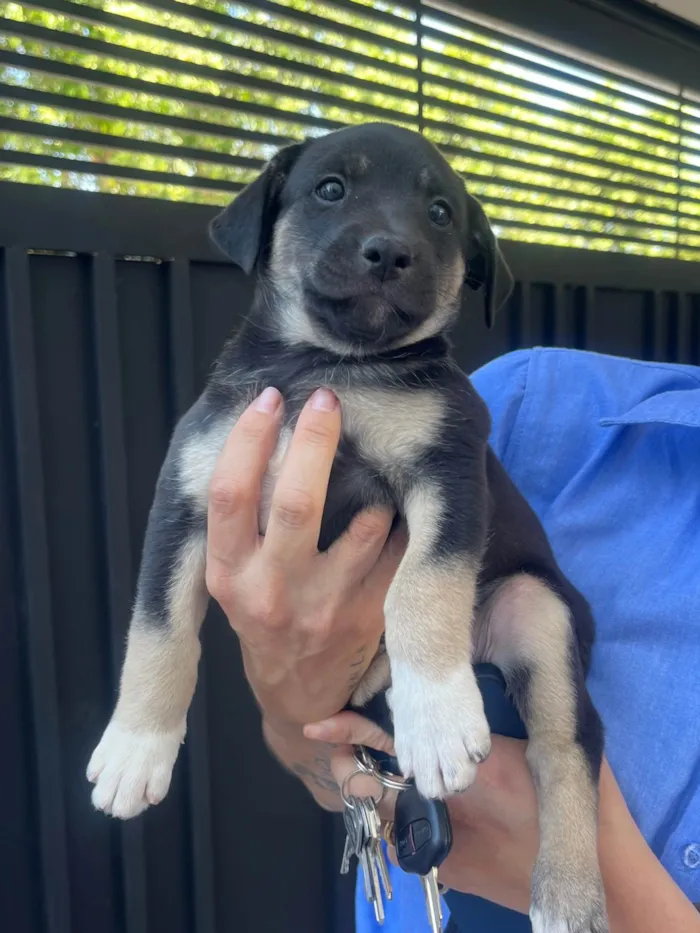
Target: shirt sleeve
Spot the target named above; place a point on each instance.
(502, 384)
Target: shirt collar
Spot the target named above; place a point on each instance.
(680, 406)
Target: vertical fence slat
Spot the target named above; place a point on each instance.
(341, 888)
(685, 329)
(181, 334)
(115, 515)
(197, 745)
(659, 343)
(584, 315)
(526, 323)
(35, 569)
(564, 327)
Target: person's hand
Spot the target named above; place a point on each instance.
(309, 623)
(494, 823)
(496, 834)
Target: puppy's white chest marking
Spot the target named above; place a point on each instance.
(391, 427)
(270, 479)
(198, 458)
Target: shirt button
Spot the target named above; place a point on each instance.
(691, 856)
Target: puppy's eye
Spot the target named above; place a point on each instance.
(440, 214)
(331, 189)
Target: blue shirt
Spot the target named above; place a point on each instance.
(607, 452)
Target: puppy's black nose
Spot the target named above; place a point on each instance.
(386, 257)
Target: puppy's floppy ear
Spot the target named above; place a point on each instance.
(243, 229)
(485, 263)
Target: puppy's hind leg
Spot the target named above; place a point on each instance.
(531, 639)
(132, 765)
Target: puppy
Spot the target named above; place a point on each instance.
(362, 242)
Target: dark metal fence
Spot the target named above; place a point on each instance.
(111, 312)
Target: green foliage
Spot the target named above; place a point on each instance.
(560, 153)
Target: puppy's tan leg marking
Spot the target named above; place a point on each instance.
(132, 765)
(376, 678)
(529, 631)
(441, 732)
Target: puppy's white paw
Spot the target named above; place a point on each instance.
(440, 729)
(131, 770)
(557, 922)
(567, 899)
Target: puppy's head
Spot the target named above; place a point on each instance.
(363, 240)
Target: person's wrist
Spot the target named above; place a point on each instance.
(283, 713)
(280, 731)
(289, 718)
(279, 697)
(307, 691)
(289, 706)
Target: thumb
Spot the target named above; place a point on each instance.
(348, 728)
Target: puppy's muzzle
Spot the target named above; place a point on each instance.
(386, 257)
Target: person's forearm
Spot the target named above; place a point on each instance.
(309, 760)
(641, 896)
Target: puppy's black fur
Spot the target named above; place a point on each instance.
(361, 243)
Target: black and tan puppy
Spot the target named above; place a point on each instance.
(362, 242)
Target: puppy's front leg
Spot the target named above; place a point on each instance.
(132, 765)
(441, 731)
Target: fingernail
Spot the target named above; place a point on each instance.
(269, 401)
(319, 730)
(324, 400)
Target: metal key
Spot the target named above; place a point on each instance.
(433, 903)
(368, 862)
(423, 837)
(350, 849)
(375, 858)
(375, 828)
(359, 843)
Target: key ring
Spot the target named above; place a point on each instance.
(377, 800)
(367, 765)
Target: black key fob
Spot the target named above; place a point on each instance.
(422, 830)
